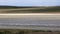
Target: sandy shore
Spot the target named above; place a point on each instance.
(25, 15)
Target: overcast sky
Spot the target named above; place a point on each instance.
(30, 2)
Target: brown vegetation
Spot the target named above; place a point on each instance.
(41, 9)
(18, 31)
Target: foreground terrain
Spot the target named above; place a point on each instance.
(18, 31)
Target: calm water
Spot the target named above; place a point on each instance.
(29, 21)
(15, 23)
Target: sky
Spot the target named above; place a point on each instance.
(30, 2)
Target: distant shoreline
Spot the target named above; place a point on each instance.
(30, 9)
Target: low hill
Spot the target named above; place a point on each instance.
(29, 9)
(10, 7)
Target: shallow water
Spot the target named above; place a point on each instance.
(37, 23)
(29, 21)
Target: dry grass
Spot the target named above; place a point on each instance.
(25, 31)
(28, 10)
